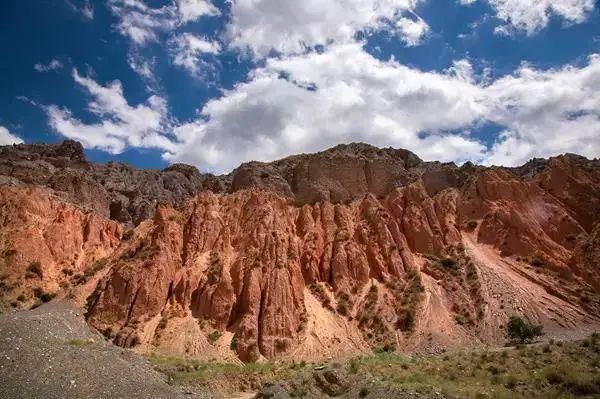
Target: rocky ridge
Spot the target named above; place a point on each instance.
(314, 255)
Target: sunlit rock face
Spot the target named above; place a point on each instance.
(309, 257)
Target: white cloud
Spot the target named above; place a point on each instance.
(120, 124)
(546, 113)
(341, 95)
(191, 10)
(412, 31)
(345, 95)
(7, 138)
(532, 16)
(142, 23)
(53, 65)
(190, 51)
(308, 102)
(289, 26)
(142, 66)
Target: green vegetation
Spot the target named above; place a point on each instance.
(95, 268)
(214, 336)
(553, 370)
(82, 278)
(368, 311)
(233, 344)
(224, 378)
(319, 292)
(521, 330)
(410, 300)
(342, 304)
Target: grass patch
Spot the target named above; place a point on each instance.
(567, 370)
(223, 378)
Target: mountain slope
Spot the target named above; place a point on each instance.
(312, 256)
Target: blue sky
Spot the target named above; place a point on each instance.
(216, 83)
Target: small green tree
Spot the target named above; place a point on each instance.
(521, 330)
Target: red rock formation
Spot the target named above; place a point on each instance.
(241, 261)
(44, 241)
(347, 249)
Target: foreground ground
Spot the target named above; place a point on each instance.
(545, 370)
(51, 353)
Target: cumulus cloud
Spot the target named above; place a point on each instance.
(290, 26)
(120, 125)
(7, 138)
(546, 113)
(190, 52)
(412, 31)
(532, 16)
(53, 65)
(142, 23)
(191, 10)
(308, 102)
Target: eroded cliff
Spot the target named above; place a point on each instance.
(313, 256)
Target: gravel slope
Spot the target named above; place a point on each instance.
(50, 352)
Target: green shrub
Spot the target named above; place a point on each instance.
(342, 307)
(387, 348)
(521, 330)
(214, 336)
(95, 268)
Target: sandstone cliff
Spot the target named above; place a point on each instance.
(312, 256)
